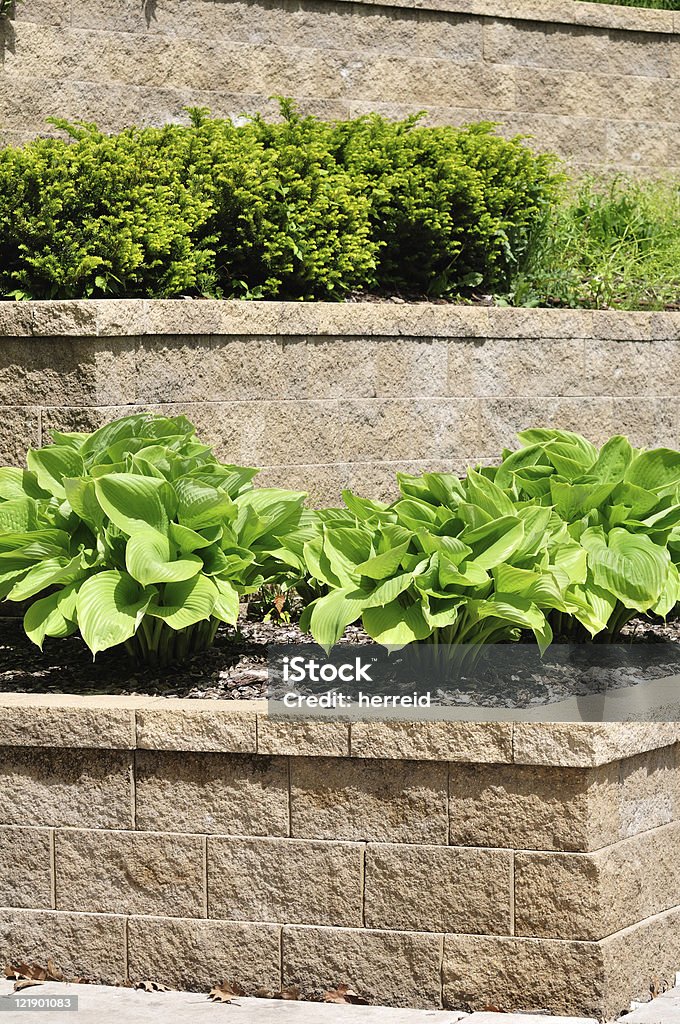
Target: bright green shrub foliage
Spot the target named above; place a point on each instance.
(451, 208)
(103, 215)
(137, 535)
(297, 210)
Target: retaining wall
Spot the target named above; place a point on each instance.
(462, 865)
(331, 395)
(598, 84)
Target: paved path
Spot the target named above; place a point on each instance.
(98, 1004)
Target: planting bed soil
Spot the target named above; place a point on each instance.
(236, 667)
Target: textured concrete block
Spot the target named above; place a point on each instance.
(36, 725)
(90, 789)
(481, 971)
(519, 807)
(582, 744)
(417, 429)
(19, 430)
(341, 368)
(288, 880)
(495, 367)
(617, 368)
(502, 418)
(648, 422)
(437, 741)
(231, 793)
(433, 889)
(63, 371)
(298, 737)
(396, 968)
(129, 873)
(25, 869)
(590, 896)
(413, 366)
(82, 945)
(218, 729)
(196, 955)
(385, 801)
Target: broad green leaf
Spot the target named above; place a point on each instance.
(227, 603)
(46, 574)
(614, 458)
(330, 615)
(110, 606)
(50, 466)
(200, 505)
(496, 542)
(150, 558)
(629, 566)
(54, 615)
(183, 604)
(655, 470)
(18, 515)
(380, 567)
(395, 625)
(19, 483)
(131, 501)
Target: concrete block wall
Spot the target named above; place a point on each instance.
(600, 85)
(323, 396)
(431, 864)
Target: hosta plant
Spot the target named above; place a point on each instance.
(621, 505)
(137, 535)
(452, 564)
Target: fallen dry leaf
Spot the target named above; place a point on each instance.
(344, 994)
(223, 993)
(19, 985)
(290, 993)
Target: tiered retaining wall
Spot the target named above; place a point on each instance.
(462, 865)
(325, 396)
(598, 84)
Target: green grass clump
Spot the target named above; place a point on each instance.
(608, 244)
(659, 5)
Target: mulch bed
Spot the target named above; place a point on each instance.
(236, 667)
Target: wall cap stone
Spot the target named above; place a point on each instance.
(244, 727)
(107, 318)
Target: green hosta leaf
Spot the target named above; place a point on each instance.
(266, 510)
(131, 501)
(82, 497)
(485, 494)
(572, 500)
(380, 567)
(655, 470)
(328, 616)
(512, 609)
(50, 466)
(594, 606)
(612, 462)
(466, 574)
(183, 604)
(344, 549)
(19, 483)
(495, 542)
(189, 541)
(364, 509)
(110, 607)
(384, 593)
(453, 548)
(629, 566)
(670, 595)
(47, 574)
(149, 558)
(200, 505)
(394, 625)
(227, 602)
(54, 615)
(18, 515)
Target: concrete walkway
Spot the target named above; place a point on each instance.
(98, 1004)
